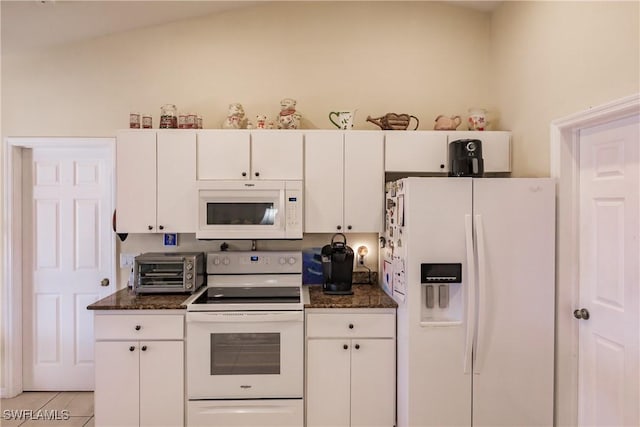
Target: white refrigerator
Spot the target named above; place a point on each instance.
(470, 262)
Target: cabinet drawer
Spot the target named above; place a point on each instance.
(321, 325)
(139, 326)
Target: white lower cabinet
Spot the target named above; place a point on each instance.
(351, 368)
(139, 373)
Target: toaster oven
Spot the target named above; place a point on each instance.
(170, 272)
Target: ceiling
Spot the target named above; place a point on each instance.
(33, 24)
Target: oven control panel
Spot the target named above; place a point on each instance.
(254, 262)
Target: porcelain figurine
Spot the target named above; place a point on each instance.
(235, 117)
(288, 118)
(261, 121)
(447, 123)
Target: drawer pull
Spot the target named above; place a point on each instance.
(138, 327)
(345, 346)
(132, 348)
(357, 347)
(350, 325)
(144, 348)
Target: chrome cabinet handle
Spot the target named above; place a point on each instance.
(581, 313)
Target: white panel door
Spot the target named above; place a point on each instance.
(323, 182)
(363, 182)
(608, 362)
(68, 252)
(514, 351)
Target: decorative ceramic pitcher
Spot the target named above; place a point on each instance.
(344, 119)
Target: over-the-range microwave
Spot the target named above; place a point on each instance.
(249, 210)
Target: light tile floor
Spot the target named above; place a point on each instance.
(41, 408)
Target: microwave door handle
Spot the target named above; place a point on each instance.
(245, 317)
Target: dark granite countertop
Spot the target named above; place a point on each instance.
(125, 299)
(364, 296)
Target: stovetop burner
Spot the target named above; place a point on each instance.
(249, 295)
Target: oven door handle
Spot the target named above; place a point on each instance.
(246, 317)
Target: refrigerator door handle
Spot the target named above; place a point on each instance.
(482, 294)
(471, 292)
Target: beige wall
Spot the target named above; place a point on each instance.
(551, 59)
(421, 58)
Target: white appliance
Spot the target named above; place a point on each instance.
(245, 341)
(471, 264)
(249, 210)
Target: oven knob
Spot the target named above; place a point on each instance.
(189, 276)
(189, 266)
(226, 261)
(216, 261)
(189, 285)
(292, 260)
(282, 261)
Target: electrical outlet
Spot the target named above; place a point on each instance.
(126, 260)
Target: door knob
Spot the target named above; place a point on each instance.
(581, 313)
(104, 282)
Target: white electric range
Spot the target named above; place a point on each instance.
(245, 341)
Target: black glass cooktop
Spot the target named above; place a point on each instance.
(250, 295)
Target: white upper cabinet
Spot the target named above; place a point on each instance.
(496, 148)
(407, 151)
(428, 151)
(155, 181)
(344, 181)
(242, 154)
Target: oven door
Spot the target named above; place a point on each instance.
(241, 355)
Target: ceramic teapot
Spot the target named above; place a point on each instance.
(447, 123)
(393, 121)
(344, 119)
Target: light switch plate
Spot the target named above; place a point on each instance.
(126, 260)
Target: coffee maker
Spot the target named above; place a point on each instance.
(465, 158)
(337, 267)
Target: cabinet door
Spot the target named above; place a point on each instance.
(276, 154)
(177, 195)
(363, 182)
(415, 151)
(136, 181)
(373, 382)
(323, 182)
(162, 383)
(223, 154)
(116, 394)
(328, 383)
(496, 148)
